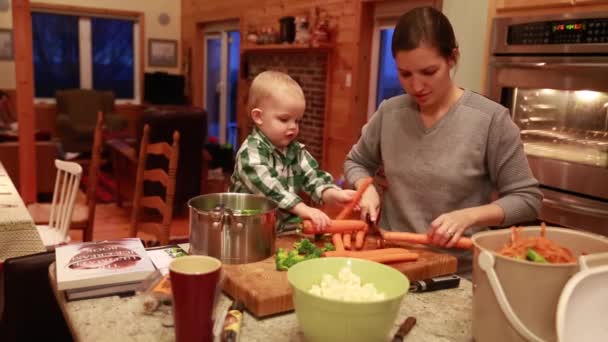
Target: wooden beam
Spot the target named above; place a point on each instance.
(24, 74)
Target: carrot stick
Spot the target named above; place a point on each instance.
(345, 212)
(359, 239)
(337, 241)
(377, 257)
(336, 226)
(347, 237)
(463, 242)
(369, 252)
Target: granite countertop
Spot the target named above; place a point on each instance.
(441, 316)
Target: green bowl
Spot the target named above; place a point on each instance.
(323, 319)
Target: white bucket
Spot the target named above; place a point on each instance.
(516, 300)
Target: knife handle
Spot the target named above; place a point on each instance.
(404, 329)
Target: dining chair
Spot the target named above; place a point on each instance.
(67, 182)
(160, 230)
(83, 217)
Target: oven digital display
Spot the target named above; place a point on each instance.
(569, 27)
(582, 31)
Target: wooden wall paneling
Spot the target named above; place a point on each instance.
(262, 13)
(22, 40)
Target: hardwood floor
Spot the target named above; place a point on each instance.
(113, 222)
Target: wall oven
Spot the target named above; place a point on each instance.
(552, 73)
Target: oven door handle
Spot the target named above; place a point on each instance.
(575, 208)
(549, 65)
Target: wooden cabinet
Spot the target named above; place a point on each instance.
(516, 4)
(591, 2)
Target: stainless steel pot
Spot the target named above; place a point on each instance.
(233, 227)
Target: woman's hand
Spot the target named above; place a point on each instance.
(446, 229)
(370, 204)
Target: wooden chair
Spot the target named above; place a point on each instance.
(64, 197)
(83, 217)
(164, 206)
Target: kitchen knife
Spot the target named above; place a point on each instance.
(404, 329)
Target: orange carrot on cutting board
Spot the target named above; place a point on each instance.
(347, 237)
(336, 239)
(359, 239)
(423, 239)
(336, 226)
(347, 210)
(379, 255)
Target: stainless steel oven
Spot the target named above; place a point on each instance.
(552, 73)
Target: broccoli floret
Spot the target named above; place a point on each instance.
(305, 247)
(285, 260)
(328, 247)
(303, 250)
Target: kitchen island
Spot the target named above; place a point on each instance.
(441, 316)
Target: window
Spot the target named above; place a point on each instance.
(85, 52)
(220, 80)
(384, 78)
(388, 78)
(56, 53)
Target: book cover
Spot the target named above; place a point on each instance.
(162, 257)
(95, 264)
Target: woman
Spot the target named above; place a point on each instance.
(444, 149)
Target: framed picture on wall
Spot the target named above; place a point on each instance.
(6, 44)
(162, 53)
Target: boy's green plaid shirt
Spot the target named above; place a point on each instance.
(263, 169)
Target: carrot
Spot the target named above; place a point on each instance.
(369, 252)
(359, 239)
(346, 211)
(423, 239)
(377, 255)
(336, 226)
(347, 237)
(550, 250)
(337, 240)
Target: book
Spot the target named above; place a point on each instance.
(91, 266)
(101, 291)
(161, 257)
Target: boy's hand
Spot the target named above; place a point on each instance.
(318, 218)
(338, 197)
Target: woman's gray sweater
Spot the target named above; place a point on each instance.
(472, 150)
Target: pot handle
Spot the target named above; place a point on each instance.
(486, 263)
(584, 260)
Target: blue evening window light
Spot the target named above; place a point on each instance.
(388, 79)
(56, 53)
(112, 45)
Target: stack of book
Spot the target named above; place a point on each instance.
(94, 269)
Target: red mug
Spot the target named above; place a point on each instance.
(194, 284)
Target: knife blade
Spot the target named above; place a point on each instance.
(404, 329)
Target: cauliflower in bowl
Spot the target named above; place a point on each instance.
(347, 286)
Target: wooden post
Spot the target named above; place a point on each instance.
(24, 74)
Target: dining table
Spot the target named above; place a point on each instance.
(444, 315)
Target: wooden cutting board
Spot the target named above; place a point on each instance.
(265, 291)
